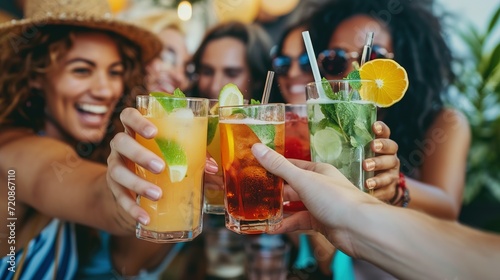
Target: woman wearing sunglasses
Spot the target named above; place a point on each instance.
(433, 140)
(293, 69)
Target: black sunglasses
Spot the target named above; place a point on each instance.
(334, 61)
(282, 63)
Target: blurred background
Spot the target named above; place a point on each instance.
(473, 30)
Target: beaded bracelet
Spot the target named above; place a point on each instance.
(406, 193)
(401, 188)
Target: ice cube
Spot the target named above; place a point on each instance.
(183, 113)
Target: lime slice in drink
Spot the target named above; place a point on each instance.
(213, 122)
(327, 144)
(170, 104)
(230, 95)
(175, 157)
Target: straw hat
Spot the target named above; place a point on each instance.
(93, 14)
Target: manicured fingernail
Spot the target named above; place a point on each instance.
(259, 150)
(377, 145)
(370, 164)
(143, 220)
(378, 128)
(156, 165)
(149, 131)
(153, 194)
(370, 184)
(211, 165)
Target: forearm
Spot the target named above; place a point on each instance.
(412, 245)
(433, 200)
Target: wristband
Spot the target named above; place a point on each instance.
(406, 193)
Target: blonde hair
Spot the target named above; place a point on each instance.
(158, 21)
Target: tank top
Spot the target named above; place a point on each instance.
(40, 260)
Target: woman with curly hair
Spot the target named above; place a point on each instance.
(68, 70)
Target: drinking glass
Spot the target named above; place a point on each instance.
(181, 142)
(340, 126)
(214, 185)
(296, 132)
(253, 197)
(268, 257)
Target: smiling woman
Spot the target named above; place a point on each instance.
(67, 75)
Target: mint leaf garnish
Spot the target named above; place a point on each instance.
(254, 102)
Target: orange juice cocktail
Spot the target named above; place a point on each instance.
(253, 196)
(181, 142)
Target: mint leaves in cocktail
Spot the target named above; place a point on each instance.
(346, 116)
(265, 133)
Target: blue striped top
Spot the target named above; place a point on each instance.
(39, 263)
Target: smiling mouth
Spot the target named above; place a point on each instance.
(92, 109)
(297, 89)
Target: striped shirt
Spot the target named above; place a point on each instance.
(39, 262)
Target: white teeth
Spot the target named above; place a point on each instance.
(298, 89)
(94, 109)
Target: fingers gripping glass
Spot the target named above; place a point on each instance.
(335, 61)
(282, 63)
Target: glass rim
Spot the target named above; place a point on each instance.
(311, 84)
(251, 105)
(146, 96)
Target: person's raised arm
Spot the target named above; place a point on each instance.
(54, 180)
(406, 243)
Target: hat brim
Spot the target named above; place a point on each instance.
(148, 43)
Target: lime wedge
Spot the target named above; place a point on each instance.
(230, 95)
(175, 157)
(170, 104)
(213, 122)
(327, 144)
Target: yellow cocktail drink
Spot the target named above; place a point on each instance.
(214, 189)
(180, 141)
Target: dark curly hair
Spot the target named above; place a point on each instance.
(23, 106)
(418, 45)
(258, 47)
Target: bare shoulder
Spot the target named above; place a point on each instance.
(451, 124)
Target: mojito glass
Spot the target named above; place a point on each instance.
(181, 142)
(253, 196)
(214, 183)
(340, 126)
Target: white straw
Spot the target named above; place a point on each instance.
(367, 48)
(267, 87)
(314, 63)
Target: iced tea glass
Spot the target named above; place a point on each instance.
(253, 196)
(214, 183)
(181, 142)
(340, 126)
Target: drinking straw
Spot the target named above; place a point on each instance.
(267, 87)
(367, 48)
(314, 63)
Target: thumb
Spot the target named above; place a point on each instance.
(274, 162)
